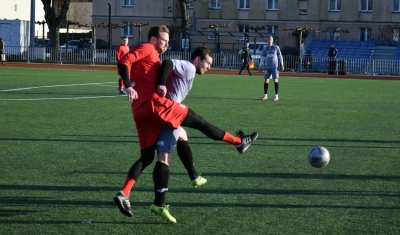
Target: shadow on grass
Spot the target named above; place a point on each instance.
(133, 139)
(73, 222)
(67, 203)
(270, 139)
(271, 175)
(204, 190)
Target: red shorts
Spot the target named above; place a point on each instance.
(154, 113)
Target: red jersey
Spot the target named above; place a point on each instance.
(143, 61)
(150, 111)
(122, 49)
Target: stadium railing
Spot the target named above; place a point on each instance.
(355, 61)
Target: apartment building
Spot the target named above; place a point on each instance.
(291, 21)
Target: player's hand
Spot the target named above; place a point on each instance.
(131, 93)
(283, 68)
(162, 90)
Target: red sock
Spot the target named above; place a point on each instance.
(120, 84)
(234, 140)
(126, 189)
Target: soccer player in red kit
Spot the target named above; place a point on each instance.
(122, 49)
(151, 112)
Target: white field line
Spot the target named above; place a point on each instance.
(66, 85)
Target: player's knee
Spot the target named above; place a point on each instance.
(164, 157)
(183, 135)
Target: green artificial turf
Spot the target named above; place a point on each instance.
(67, 141)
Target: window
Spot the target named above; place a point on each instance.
(365, 34)
(242, 28)
(396, 5)
(366, 5)
(272, 4)
(244, 4)
(127, 3)
(333, 34)
(216, 4)
(271, 29)
(127, 30)
(189, 4)
(335, 5)
(302, 11)
(396, 35)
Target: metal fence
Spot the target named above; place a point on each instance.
(221, 60)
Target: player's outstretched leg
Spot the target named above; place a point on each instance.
(242, 142)
(247, 140)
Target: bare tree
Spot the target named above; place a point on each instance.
(53, 21)
(184, 13)
(80, 12)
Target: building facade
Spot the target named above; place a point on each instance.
(291, 21)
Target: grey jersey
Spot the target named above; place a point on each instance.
(179, 83)
(180, 80)
(270, 56)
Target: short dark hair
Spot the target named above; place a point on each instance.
(202, 51)
(156, 30)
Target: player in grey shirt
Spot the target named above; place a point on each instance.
(270, 59)
(177, 86)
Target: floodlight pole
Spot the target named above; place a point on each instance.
(109, 27)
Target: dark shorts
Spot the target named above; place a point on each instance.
(167, 139)
(273, 72)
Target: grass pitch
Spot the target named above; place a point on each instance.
(67, 141)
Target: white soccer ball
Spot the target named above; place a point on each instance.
(319, 156)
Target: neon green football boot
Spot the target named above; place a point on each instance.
(199, 181)
(163, 212)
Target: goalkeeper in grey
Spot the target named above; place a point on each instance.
(271, 58)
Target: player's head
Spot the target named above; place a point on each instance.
(202, 59)
(125, 40)
(159, 37)
(332, 45)
(270, 40)
(247, 44)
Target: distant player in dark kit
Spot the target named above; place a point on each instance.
(246, 58)
(332, 53)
